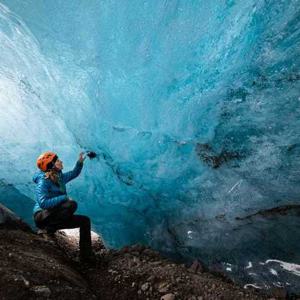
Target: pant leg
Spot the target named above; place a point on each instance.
(85, 241)
(62, 217)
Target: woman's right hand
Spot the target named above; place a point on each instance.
(82, 157)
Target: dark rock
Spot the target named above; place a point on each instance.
(196, 267)
(138, 248)
(10, 220)
(151, 253)
(279, 293)
(42, 291)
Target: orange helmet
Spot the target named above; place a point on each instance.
(46, 160)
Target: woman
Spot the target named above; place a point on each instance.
(54, 209)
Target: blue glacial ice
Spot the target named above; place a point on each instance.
(193, 108)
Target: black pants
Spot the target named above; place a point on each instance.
(62, 217)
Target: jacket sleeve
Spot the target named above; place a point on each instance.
(43, 200)
(68, 176)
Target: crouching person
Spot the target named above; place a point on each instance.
(54, 209)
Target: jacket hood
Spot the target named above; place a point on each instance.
(38, 176)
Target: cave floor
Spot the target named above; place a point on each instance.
(39, 267)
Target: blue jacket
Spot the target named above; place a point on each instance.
(48, 194)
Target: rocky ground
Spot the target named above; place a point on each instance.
(37, 267)
(42, 267)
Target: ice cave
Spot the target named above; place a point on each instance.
(193, 110)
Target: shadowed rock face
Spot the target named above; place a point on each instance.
(8, 219)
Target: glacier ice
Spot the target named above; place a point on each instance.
(192, 107)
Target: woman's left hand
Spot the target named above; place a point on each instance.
(82, 157)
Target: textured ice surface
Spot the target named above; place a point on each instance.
(192, 106)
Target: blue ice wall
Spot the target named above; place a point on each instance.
(192, 106)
